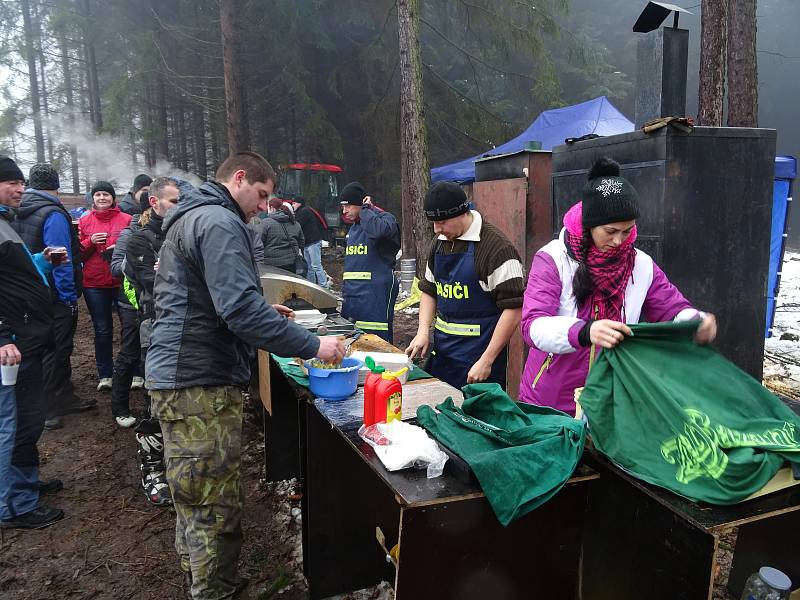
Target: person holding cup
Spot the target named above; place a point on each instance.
(98, 231)
(25, 333)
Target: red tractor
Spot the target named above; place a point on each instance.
(318, 183)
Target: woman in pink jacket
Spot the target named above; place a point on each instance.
(586, 285)
(98, 231)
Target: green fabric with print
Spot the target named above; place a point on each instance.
(521, 454)
(681, 416)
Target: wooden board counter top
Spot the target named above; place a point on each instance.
(284, 417)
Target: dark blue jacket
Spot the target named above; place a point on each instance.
(43, 221)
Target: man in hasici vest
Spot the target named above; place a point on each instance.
(473, 286)
(370, 288)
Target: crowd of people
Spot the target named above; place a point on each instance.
(179, 266)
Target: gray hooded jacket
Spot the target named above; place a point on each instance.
(210, 312)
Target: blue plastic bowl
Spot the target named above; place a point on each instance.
(334, 384)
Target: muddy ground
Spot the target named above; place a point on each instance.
(114, 545)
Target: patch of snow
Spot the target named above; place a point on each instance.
(782, 357)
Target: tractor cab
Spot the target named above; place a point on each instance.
(318, 183)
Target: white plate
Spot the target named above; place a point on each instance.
(309, 317)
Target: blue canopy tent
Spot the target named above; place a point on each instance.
(785, 173)
(550, 128)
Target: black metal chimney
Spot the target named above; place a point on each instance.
(662, 58)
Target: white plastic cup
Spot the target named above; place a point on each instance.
(8, 374)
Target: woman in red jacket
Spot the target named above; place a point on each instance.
(98, 231)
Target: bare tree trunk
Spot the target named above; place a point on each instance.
(214, 127)
(69, 101)
(148, 127)
(95, 106)
(199, 138)
(86, 108)
(33, 78)
(162, 138)
(180, 117)
(134, 153)
(742, 64)
(414, 171)
(234, 105)
(43, 87)
(712, 63)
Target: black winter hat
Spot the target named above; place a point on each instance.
(104, 186)
(445, 200)
(43, 176)
(300, 200)
(141, 181)
(607, 197)
(9, 171)
(353, 193)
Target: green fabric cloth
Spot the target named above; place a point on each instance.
(681, 416)
(291, 370)
(522, 454)
(417, 373)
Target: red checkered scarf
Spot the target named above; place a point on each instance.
(610, 270)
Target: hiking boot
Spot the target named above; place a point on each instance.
(53, 423)
(106, 383)
(137, 383)
(51, 486)
(151, 461)
(126, 421)
(36, 519)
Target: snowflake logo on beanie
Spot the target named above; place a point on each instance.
(609, 186)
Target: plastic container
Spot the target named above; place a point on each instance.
(391, 361)
(334, 384)
(9, 374)
(408, 270)
(388, 397)
(374, 377)
(767, 584)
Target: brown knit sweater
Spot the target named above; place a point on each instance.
(496, 260)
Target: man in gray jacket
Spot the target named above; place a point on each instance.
(210, 317)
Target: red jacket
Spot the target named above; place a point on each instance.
(96, 270)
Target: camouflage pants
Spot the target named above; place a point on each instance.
(202, 429)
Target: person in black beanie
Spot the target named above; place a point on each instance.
(9, 171)
(43, 221)
(369, 287)
(472, 287)
(25, 332)
(585, 286)
(43, 176)
(607, 197)
(98, 232)
(136, 201)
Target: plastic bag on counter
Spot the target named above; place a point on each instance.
(400, 445)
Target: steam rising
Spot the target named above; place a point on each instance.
(105, 156)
